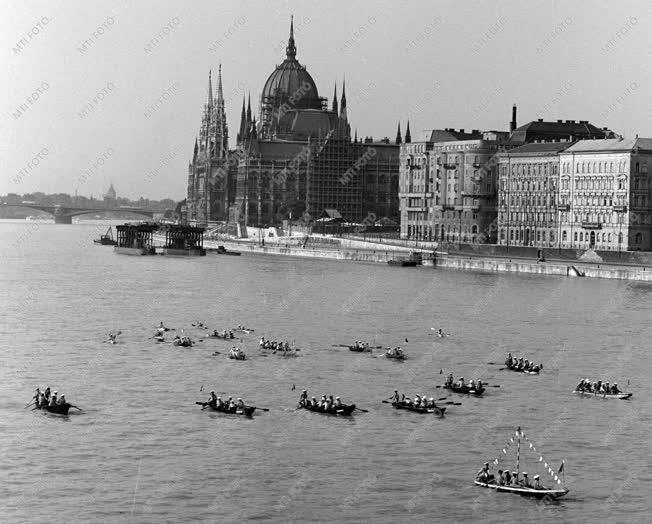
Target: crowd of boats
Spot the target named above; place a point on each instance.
(503, 481)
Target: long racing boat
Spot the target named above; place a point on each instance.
(423, 411)
(343, 410)
(619, 396)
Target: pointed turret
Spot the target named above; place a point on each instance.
(343, 104)
(243, 122)
(210, 90)
(220, 96)
(249, 109)
(291, 49)
(335, 99)
(398, 134)
(194, 154)
(355, 140)
(408, 137)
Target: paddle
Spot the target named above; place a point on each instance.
(261, 409)
(451, 403)
(30, 403)
(363, 410)
(385, 401)
(80, 409)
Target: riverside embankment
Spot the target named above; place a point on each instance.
(361, 251)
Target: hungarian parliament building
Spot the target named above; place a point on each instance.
(295, 160)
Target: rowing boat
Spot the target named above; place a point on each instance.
(620, 396)
(342, 410)
(424, 411)
(397, 356)
(525, 492)
(237, 356)
(359, 349)
(247, 411)
(223, 337)
(518, 370)
(58, 409)
(178, 342)
(464, 390)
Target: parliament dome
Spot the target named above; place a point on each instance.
(291, 83)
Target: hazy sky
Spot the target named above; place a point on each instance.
(125, 107)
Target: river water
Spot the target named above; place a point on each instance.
(142, 451)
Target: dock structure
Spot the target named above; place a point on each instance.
(136, 239)
(182, 240)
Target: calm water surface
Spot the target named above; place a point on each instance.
(144, 452)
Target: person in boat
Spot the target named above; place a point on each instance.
(537, 483)
(212, 400)
(53, 399)
(507, 478)
(460, 382)
(396, 397)
(450, 380)
(231, 404)
(62, 400)
(479, 385)
(614, 389)
(303, 398)
(338, 402)
(471, 384)
(580, 386)
(519, 365)
(36, 396)
(515, 481)
(47, 393)
(484, 475)
(241, 404)
(509, 360)
(525, 481)
(500, 480)
(42, 400)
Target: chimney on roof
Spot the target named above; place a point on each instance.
(474, 131)
(512, 124)
(584, 121)
(540, 119)
(461, 130)
(560, 121)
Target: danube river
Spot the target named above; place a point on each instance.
(142, 451)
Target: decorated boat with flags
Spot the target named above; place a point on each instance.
(517, 482)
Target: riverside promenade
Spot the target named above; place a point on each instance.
(328, 247)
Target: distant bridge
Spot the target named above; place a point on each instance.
(63, 214)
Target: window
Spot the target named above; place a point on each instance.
(564, 236)
(638, 238)
(575, 236)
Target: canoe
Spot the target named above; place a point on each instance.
(247, 411)
(620, 396)
(526, 492)
(343, 410)
(396, 357)
(464, 390)
(424, 411)
(59, 409)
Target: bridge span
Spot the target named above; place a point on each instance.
(64, 214)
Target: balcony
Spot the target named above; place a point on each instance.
(563, 207)
(620, 209)
(451, 166)
(591, 225)
(477, 164)
(477, 194)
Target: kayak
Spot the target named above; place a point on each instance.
(620, 396)
(464, 390)
(526, 492)
(342, 410)
(424, 411)
(247, 411)
(59, 409)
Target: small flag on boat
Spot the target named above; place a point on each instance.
(561, 468)
(504, 451)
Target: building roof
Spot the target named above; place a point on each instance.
(539, 148)
(448, 135)
(539, 130)
(611, 144)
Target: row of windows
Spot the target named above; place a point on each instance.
(531, 169)
(603, 167)
(593, 183)
(521, 201)
(529, 217)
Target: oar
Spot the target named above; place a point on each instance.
(363, 410)
(451, 403)
(261, 409)
(384, 402)
(80, 409)
(30, 403)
